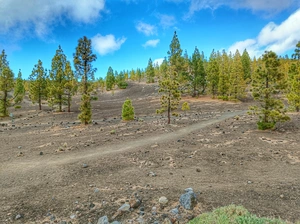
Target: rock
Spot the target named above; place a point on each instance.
(124, 208)
(103, 220)
(174, 211)
(135, 200)
(20, 154)
(189, 199)
(19, 147)
(96, 190)
(84, 165)
(151, 174)
(18, 217)
(73, 216)
(116, 222)
(41, 153)
(163, 201)
(198, 170)
(249, 182)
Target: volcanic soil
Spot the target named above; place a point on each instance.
(52, 168)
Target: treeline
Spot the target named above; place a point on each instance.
(226, 76)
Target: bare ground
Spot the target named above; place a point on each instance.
(213, 148)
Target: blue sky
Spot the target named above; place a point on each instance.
(126, 33)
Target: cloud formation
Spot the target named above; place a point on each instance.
(107, 44)
(18, 18)
(166, 21)
(267, 6)
(146, 29)
(151, 43)
(158, 61)
(278, 38)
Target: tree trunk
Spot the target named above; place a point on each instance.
(60, 103)
(169, 109)
(69, 103)
(5, 104)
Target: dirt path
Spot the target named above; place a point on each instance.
(27, 165)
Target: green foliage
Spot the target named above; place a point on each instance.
(70, 86)
(197, 74)
(38, 84)
(185, 106)
(83, 59)
(232, 214)
(86, 109)
(213, 74)
(237, 83)
(268, 84)
(246, 61)
(224, 74)
(6, 85)
(19, 90)
(110, 79)
(127, 110)
(18, 107)
(150, 73)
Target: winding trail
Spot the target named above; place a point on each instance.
(28, 164)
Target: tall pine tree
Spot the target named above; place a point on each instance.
(83, 58)
(38, 84)
(19, 90)
(150, 72)
(268, 84)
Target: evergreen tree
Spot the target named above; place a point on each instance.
(213, 74)
(110, 79)
(58, 79)
(237, 82)
(168, 84)
(83, 59)
(139, 74)
(246, 61)
(6, 84)
(294, 80)
(70, 86)
(38, 84)
(224, 73)
(197, 73)
(268, 84)
(19, 90)
(127, 110)
(150, 72)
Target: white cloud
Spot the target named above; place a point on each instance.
(107, 44)
(151, 43)
(18, 18)
(166, 21)
(146, 29)
(278, 38)
(269, 6)
(158, 61)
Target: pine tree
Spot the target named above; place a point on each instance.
(70, 86)
(168, 84)
(246, 61)
(268, 84)
(19, 90)
(150, 72)
(237, 83)
(127, 110)
(38, 84)
(139, 74)
(110, 79)
(197, 73)
(224, 72)
(83, 59)
(213, 74)
(294, 80)
(58, 79)
(6, 84)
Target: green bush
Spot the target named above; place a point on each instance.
(185, 106)
(122, 85)
(265, 125)
(18, 107)
(127, 110)
(232, 214)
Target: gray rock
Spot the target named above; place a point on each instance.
(73, 216)
(189, 199)
(84, 165)
(124, 208)
(18, 216)
(103, 220)
(116, 222)
(163, 201)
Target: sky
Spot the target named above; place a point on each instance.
(126, 33)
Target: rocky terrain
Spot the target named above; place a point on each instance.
(54, 170)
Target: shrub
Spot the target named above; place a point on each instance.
(185, 106)
(265, 125)
(17, 106)
(127, 110)
(122, 85)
